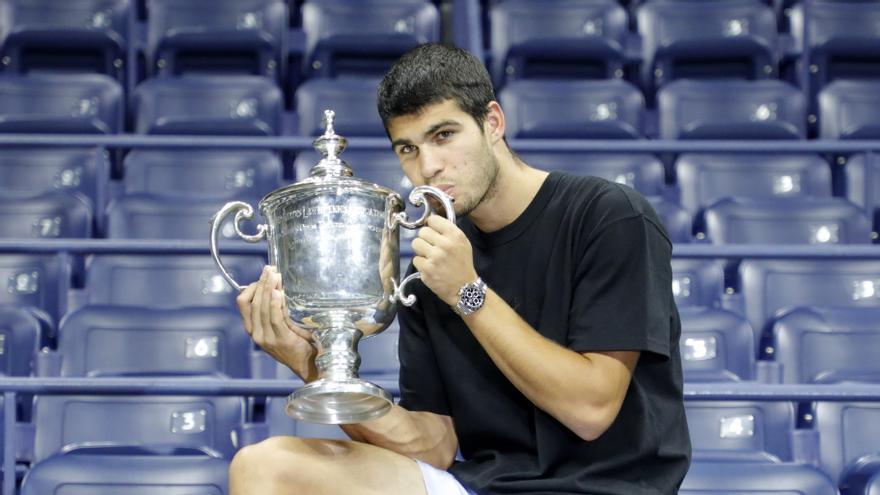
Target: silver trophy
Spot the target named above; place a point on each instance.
(335, 241)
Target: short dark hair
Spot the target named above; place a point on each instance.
(433, 73)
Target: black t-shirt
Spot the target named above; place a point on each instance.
(587, 265)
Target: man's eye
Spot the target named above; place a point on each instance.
(442, 135)
(406, 149)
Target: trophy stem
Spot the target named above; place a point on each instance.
(338, 396)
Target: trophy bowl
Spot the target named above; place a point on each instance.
(335, 240)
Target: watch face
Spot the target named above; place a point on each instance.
(472, 296)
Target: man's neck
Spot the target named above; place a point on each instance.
(517, 185)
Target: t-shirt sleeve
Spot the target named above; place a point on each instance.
(421, 387)
(622, 290)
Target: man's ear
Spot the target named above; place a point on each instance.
(495, 123)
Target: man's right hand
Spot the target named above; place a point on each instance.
(265, 316)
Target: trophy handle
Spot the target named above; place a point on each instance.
(245, 212)
(417, 198)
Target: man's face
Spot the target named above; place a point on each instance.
(443, 146)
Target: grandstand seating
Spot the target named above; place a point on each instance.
(848, 109)
(847, 431)
(697, 282)
(559, 39)
(363, 37)
(735, 478)
(606, 109)
(716, 345)
(674, 218)
(642, 172)
(354, 98)
(743, 431)
(37, 283)
(828, 345)
(19, 341)
(46, 216)
(863, 185)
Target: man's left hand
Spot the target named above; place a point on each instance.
(444, 257)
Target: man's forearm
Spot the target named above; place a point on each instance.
(424, 436)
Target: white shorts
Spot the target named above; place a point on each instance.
(439, 482)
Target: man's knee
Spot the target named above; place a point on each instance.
(278, 460)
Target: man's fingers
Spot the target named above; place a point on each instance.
(256, 315)
(265, 308)
(441, 224)
(277, 314)
(422, 248)
(244, 302)
(430, 235)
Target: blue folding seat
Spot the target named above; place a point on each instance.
(224, 104)
(364, 37)
(202, 173)
(863, 185)
(38, 283)
(736, 478)
(771, 286)
(19, 341)
(847, 432)
(151, 216)
(353, 99)
(821, 221)
(676, 221)
(697, 282)
(862, 476)
(28, 171)
(849, 109)
(101, 472)
(642, 172)
(75, 35)
(553, 109)
(842, 39)
(716, 345)
(742, 431)
(721, 109)
(379, 354)
(557, 39)
(828, 345)
(706, 178)
(99, 341)
(226, 36)
(46, 216)
(66, 422)
(280, 424)
(693, 39)
(167, 281)
(60, 103)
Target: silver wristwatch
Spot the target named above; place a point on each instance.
(470, 297)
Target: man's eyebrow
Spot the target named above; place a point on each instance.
(434, 128)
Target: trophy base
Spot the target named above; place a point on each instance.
(338, 402)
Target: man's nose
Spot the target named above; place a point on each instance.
(430, 164)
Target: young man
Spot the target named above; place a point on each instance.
(544, 344)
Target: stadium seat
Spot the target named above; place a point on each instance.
(97, 341)
(847, 431)
(820, 221)
(354, 101)
(697, 282)
(644, 173)
(726, 38)
(202, 173)
(863, 185)
(364, 37)
(166, 281)
(716, 345)
(674, 218)
(738, 478)
(706, 178)
(60, 103)
(378, 354)
(19, 341)
(279, 423)
(828, 345)
(557, 39)
(742, 431)
(74, 35)
(101, 472)
(770, 286)
(46, 216)
(151, 216)
(38, 283)
(843, 39)
(768, 109)
(224, 105)
(217, 36)
(861, 476)
(849, 110)
(553, 109)
(65, 422)
(26, 171)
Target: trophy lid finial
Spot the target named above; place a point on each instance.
(330, 145)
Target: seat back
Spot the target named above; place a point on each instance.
(753, 431)
(644, 173)
(354, 99)
(19, 341)
(119, 341)
(724, 477)
(849, 109)
(559, 39)
(364, 37)
(863, 185)
(225, 105)
(716, 345)
(731, 109)
(828, 345)
(575, 109)
(39, 283)
(675, 220)
(697, 282)
(60, 103)
(46, 216)
(847, 431)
